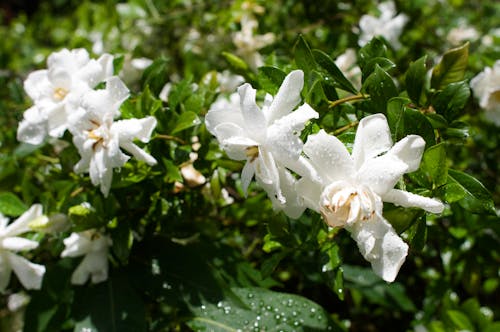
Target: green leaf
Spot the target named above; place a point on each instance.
(451, 68)
(381, 88)
(303, 56)
(374, 49)
(237, 64)
(382, 62)
(452, 100)
(405, 121)
(476, 197)
(418, 235)
(262, 309)
(460, 320)
(112, 306)
(156, 75)
(270, 79)
(434, 165)
(415, 79)
(186, 120)
(335, 76)
(11, 205)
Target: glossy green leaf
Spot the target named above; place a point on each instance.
(335, 76)
(262, 309)
(380, 86)
(451, 68)
(382, 62)
(270, 79)
(415, 79)
(434, 165)
(237, 64)
(476, 197)
(452, 100)
(303, 56)
(11, 205)
(374, 49)
(186, 120)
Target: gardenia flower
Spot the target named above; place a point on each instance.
(388, 25)
(458, 35)
(99, 139)
(267, 138)
(29, 274)
(94, 246)
(249, 44)
(353, 188)
(486, 87)
(57, 90)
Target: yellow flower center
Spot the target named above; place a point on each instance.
(60, 93)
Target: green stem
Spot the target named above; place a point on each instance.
(344, 128)
(348, 99)
(170, 138)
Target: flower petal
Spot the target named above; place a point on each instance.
(247, 174)
(407, 199)
(224, 111)
(381, 246)
(15, 243)
(21, 224)
(29, 274)
(37, 84)
(117, 90)
(382, 173)
(373, 137)
(310, 191)
(255, 121)
(33, 128)
(409, 150)
(329, 156)
(283, 135)
(139, 153)
(130, 129)
(77, 244)
(288, 96)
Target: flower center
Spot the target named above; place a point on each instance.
(97, 134)
(60, 93)
(343, 204)
(252, 152)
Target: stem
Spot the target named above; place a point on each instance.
(344, 128)
(171, 138)
(348, 99)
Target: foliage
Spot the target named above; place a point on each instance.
(201, 254)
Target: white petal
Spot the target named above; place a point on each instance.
(293, 205)
(15, 243)
(139, 153)
(373, 137)
(60, 78)
(255, 121)
(266, 171)
(130, 129)
(224, 111)
(106, 62)
(407, 199)
(33, 128)
(409, 150)
(94, 264)
(247, 174)
(382, 173)
(381, 246)
(329, 156)
(29, 274)
(288, 96)
(57, 120)
(117, 90)
(310, 191)
(283, 135)
(21, 224)
(77, 244)
(37, 84)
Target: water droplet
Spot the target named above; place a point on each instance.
(246, 322)
(203, 307)
(294, 313)
(220, 304)
(250, 295)
(269, 308)
(296, 323)
(277, 317)
(166, 285)
(313, 310)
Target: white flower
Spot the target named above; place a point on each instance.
(249, 44)
(99, 138)
(29, 274)
(388, 25)
(353, 187)
(458, 35)
(57, 90)
(347, 65)
(267, 138)
(486, 87)
(94, 246)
